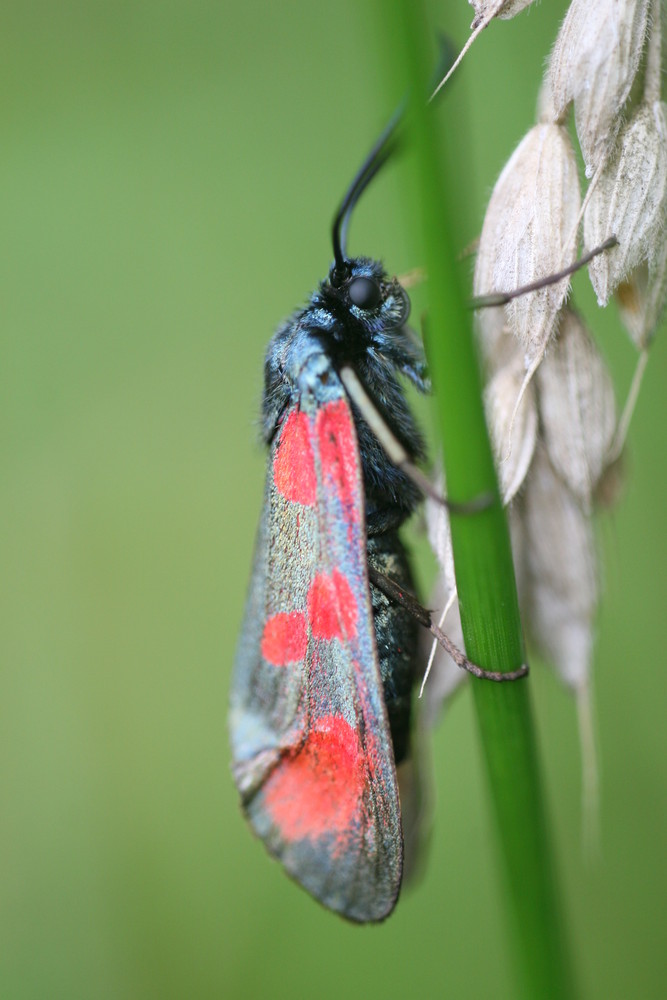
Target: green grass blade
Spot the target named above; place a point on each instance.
(484, 570)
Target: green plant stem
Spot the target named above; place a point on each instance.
(484, 569)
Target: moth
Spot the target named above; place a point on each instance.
(325, 666)
(322, 687)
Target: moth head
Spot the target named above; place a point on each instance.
(367, 294)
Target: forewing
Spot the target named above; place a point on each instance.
(312, 749)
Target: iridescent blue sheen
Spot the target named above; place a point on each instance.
(343, 526)
(381, 348)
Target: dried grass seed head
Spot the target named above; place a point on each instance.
(594, 63)
(562, 587)
(630, 201)
(641, 298)
(494, 337)
(546, 109)
(497, 345)
(610, 484)
(500, 398)
(528, 232)
(577, 408)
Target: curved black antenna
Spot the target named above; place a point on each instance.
(372, 171)
(375, 160)
(377, 157)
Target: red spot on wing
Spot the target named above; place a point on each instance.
(294, 465)
(319, 790)
(285, 638)
(332, 607)
(339, 453)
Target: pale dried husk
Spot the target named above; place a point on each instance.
(493, 336)
(561, 592)
(513, 457)
(577, 408)
(641, 298)
(497, 345)
(630, 201)
(594, 63)
(529, 233)
(546, 109)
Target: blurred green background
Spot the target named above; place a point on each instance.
(169, 172)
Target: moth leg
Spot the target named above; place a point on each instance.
(396, 635)
(407, 600)
(396, 452)
(502, 298)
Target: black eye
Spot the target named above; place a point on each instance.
(364, 293)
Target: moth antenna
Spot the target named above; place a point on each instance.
(373, 169)
(377, 157)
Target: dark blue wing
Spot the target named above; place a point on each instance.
(312, 751)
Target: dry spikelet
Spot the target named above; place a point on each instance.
(577, 408)
(497, 345)
(531, 231)
(499, 399)
(561, 589)
(546, 110)
(630, 200)
(610, 484)
(559, 601)
(641, 298)
(529, 222)
(594, 63)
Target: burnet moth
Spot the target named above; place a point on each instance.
(327, 659)
(321, 692)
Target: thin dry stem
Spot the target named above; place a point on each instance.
(436, 644)
(478, 30)
(629, 408)
(590, 775)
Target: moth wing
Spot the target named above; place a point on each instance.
(312, 749)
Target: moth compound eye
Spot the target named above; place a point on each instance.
(364, 293)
